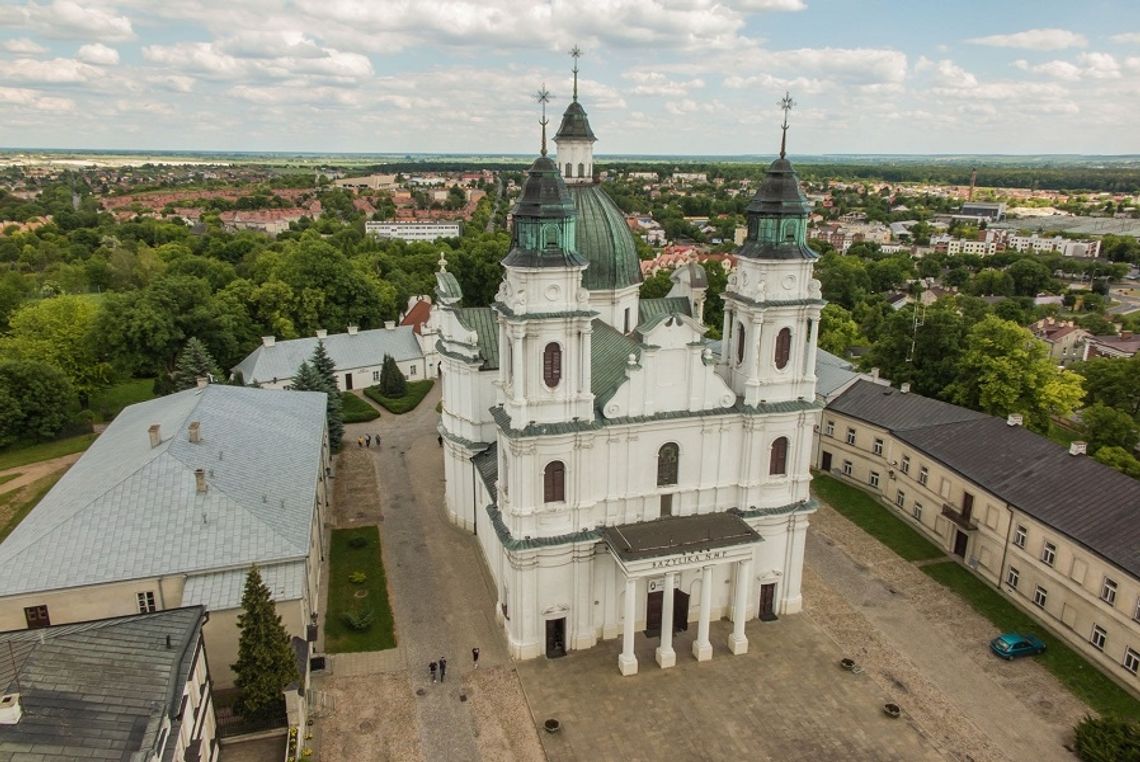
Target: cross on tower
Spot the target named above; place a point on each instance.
(787, 104)
(575, 53)
(543, 97)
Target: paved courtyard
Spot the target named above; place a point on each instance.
(787, 699)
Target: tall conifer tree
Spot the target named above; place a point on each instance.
(194, 362)
(266, 664)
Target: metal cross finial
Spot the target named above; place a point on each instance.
(575, 53)
(543, 97)
(787, 104)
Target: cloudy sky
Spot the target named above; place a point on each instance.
(658, 76)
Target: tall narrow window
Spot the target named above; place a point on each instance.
(778, 463)
(552, 364)
(626, 320)
(581, 170)
(783, 347)
(569, 170)
(554, 482)
(667, 458)
(739, 343)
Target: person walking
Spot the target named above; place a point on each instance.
(377, 439)
(360, 441)
(439, 438)
(475, 657)
(442, 667)
(367, 440)
(431, 668)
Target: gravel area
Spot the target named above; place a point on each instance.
(503, 724)
(371, 718)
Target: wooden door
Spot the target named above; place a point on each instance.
(825, 463)
(680, 611)
(960, 540)
(653, 606)
(768, 602)
(555, 638)
(347, 381)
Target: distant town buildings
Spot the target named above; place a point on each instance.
(413, 230)
(1064, 338)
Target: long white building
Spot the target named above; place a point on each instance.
(621, 475)
(413, 230)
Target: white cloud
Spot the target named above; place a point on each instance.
(1034, 39)
(67, 19)
(949, 74)
(211, 60)
(768, 5)
(55, 71)
(33, 99)
(1099, 65)
(862, 66)
(98, 54)
(656, 83)
(1126, 38)
(24, 46)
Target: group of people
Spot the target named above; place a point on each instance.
(440, 667)
(366, 441)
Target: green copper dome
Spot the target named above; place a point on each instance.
(544, 230)
(605, 241)
(778, 217)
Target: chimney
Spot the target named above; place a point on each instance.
(268, 341)
(905, 387)
(202, 381)
(195, 431)
(1015, 419)
(874, 372)
(389, 325)
(322, 333)
(200, 479)
(155, 435)
(1126, 334)
(10, 711)
(352, 329)
(1078, 448)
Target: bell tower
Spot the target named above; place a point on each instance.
(772, 303)
(575, 139)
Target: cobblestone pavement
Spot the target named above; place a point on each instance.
(372, 707)
(912, 634)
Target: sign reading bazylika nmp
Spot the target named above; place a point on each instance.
(680, 543)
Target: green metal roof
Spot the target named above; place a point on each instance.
(609, 355)
(650, 309)
(604, 239)
(482, 321)
(575, 125)
(487, 464)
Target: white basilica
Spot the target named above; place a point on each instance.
(622, 472)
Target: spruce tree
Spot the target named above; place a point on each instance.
(392, 381)
(309, 379)
(265, 664)
(194, 362)
(324, 364)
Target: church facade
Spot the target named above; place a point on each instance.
(622, 472)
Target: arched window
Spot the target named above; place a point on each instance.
(783, 347)
(554, 482)
(778, 464)
(667, 464)
(552, 364)
(581, 170)
(739, 343)
(569, 169)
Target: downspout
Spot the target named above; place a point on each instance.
(474, 500)
(1005, 548)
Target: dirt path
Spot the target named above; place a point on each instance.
(35, 471)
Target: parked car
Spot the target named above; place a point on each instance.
(1009, 645)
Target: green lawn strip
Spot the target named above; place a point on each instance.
(343, 561)
(1085, 680)
(357, 410)
(1062, 435)
(9, 477)
(110, 401)
(415, 393)
(19, 503)
(874, 518)
(23, 454)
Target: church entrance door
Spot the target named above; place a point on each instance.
(680, 611)
(653, 606)
(768, 602)
(555, 638)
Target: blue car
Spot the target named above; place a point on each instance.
(1009, 645)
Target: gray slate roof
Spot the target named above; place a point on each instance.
(126, 510)
(222, 590)
(831, 373)
(97, 690)
(1093, 504)
(678, 534)
(365, 348)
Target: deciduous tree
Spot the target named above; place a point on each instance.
(36, 400)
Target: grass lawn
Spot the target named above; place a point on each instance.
(9, 477)
(15, 505)
(1062, 435)
(357, 410)
(414, 394)
(1082, 678)
(110, 401)
(23, 454)
(874, 518)
(343, 561)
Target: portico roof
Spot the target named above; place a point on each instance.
(674, 535)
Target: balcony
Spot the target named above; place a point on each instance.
(963, 520)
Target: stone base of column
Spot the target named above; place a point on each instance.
(738, 645)
(702, 651)
(627, 665)
(666, 658)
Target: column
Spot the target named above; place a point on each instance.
(738, 641)
(726, 336)
(812, 342)
(518, 369)
(702, 648)
(627, 662)
(666, 656)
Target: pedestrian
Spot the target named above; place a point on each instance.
(367, 440)
(378, 439)
(439, 438)
(442, 667)
(475, 657)
(360, 441)
(431, 668)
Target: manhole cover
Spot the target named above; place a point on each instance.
(366, 727)
(420, 691)
(360, 594)
(462, 696)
